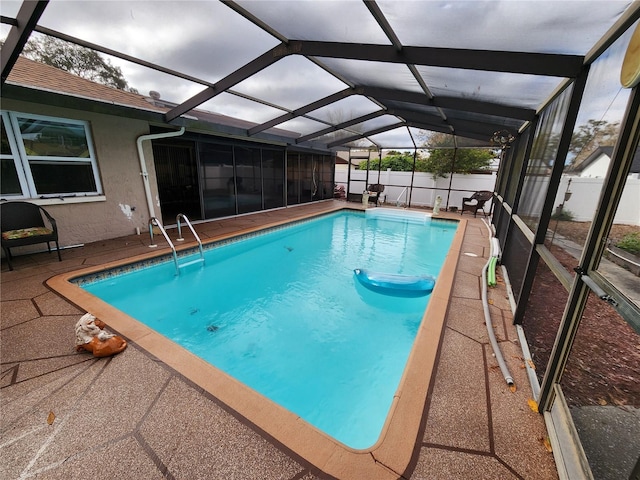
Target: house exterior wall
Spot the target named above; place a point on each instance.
(123, 207)
(597, 169)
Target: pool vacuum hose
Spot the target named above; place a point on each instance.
(489, 267)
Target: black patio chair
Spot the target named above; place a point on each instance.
(22, 223)
(476, 202)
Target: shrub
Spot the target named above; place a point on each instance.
(630, 243)
(563, 215)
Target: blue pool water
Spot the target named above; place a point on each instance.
(283, 313)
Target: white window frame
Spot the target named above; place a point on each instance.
(15, 156)
(22, 159)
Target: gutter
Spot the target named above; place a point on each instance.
(143, 164)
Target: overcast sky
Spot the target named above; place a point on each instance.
(208, 40)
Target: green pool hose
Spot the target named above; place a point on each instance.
(491, 272)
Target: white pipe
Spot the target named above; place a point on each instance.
(487, 318)
(143, 164)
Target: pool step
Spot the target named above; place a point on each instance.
(192, 262)
(154, 222)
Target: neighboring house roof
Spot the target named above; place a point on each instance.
(595, 155)
(608, 152)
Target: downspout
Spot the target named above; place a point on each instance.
(143, 164)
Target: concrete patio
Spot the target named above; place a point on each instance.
(69, 415)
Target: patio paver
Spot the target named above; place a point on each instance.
(131, 416)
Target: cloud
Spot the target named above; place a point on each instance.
(292, 82)
(332, 21)
(203, 39)
(548, 26)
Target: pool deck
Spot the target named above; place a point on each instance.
(69, 415)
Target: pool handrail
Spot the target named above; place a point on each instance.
(154, 222)
(400, 196)
(193, 232)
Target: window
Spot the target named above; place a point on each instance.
(9, 170)
(47, 157)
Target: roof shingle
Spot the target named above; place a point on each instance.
(37, 75)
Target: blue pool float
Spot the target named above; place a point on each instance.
(392, 284)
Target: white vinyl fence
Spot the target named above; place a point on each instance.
(425, 188)
(585, 192)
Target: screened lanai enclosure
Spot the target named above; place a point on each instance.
(270, 93)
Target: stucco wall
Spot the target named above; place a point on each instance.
(124, 205)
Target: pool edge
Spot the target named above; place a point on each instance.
(388, 458)
(399, 436)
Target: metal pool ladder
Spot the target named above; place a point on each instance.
(154, 222)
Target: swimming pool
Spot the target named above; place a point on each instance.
(282, 313)
(395, 445)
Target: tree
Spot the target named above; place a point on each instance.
(396, 161)
(439, 161)
(585, 139)
(589, 136)
(443, 161)
(80, 61)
